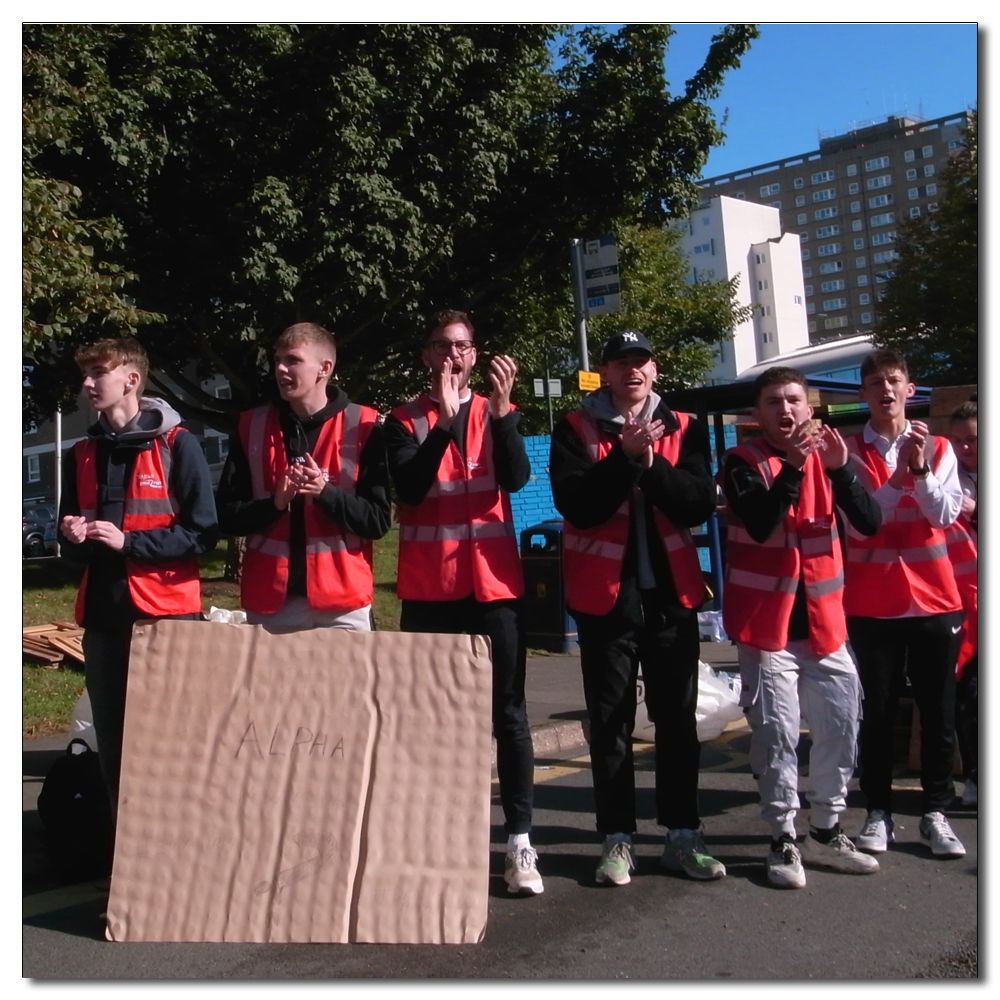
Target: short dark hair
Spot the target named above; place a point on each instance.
(307, 333)
(969, 410)
(777, 375)
(445, 317)
(883, 358)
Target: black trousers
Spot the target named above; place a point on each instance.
(926, 648)
(612, 647)
(967, 719)
(499, 621)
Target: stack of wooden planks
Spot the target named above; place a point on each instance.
(52, 643)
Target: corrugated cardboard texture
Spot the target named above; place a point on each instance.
(322, 786)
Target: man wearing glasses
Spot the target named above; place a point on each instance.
(455, 456)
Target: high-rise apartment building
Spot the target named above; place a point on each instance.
(846, 201)
(727, 238)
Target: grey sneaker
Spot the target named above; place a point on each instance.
(970, 795)
(520, 872)
(784, 867)
(616, 862)
(936, 832)
(876, 835)
(839, 854)
(685, 851)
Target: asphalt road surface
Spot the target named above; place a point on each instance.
(917, 917)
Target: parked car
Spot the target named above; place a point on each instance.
(38, 529)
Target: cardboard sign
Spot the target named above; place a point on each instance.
(294, 788)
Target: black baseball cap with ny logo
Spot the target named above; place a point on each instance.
(623, 342)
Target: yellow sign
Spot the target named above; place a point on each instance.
(589, 380)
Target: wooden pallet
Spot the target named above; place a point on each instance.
(51, 644)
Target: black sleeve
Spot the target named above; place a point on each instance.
(685, 492)
(196, 530)
(860, 508)
(69, 506)
(365, 512)
(239, 513)
(585, 492)
(414, 467)
(510, 458)
(759, 508)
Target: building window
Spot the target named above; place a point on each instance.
(954, 144)
(798, 299)
(859, 243)
(835, 323)
(931, 189)
(880, 201)
(822, 177)
(742, 195)
(885, 219)
(852, 170)
(774, 204)
(807, 272)
(802, 218)
(913, 193)
(855, 206)
(812, 326)
(761, 285)
(857, 225)
(883, 180)
(866, 317)
(915, 212)
(840, 303)
(805, 255)
(810, 308)
(798, 182)
(927, 151)
(860, 261)
(803, 237)
(808, 289)
(878, 163)
(800, 200)
(824, 231)
(911, 174)
(880, 239)
(864, 299)
(828, 249)
(929, 170)
(703, 248)
(932, 207)
(826, 194)
(760, 258)
(825, 213)
(831, 267)
(883, 256)
(910, 155)
(34, 469)
(836, 285)
(853, 188)
(769, 189)
(862, 280)
(32, 428)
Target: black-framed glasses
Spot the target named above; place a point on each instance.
(444, 347)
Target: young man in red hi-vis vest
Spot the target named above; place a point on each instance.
(631, 477)
(306, 482)
(455, 458)
(783, 606)
(963, 537)
(904, 612)
(137, 510)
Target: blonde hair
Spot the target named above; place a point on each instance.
(116, 351)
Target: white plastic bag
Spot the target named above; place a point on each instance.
(710, 627)
(81, 724)
(229, 617)
(718, 704)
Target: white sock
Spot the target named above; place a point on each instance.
(516, 841)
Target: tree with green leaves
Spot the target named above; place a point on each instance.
(244, 177)
(930, 313)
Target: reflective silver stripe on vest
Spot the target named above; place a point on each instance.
(454, 532)
(151, 505)
(334, 543)
(480, 484)
(966, 568)
(898, 514)
(421, 425)
(924, 553)
(819, 546)
(350, 450)
(821, 588)
(674, 541)
(268, 546)
(593, 547)
(255, 449)
(778, 539)
(757, 581)
(166, 460)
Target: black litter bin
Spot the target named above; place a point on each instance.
(545, 621)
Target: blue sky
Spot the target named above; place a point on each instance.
(779, 99)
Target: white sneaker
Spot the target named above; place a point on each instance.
(876, 835)
(839, 854)
(784, 867)
(520, 872)
(970, 794)
(936, 832)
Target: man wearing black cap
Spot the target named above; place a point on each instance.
(630, 476)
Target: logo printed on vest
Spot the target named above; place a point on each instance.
(150, 481)
(472, 464)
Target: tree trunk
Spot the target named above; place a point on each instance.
(234, 559)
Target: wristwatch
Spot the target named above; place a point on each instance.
(921, 472)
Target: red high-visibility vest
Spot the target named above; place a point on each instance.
(593, 557)
(171, 587)
(907, 560)
(338, 562)
(762, 578)
(964, 557)
(459, 540)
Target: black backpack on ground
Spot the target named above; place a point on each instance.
(76, 814)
